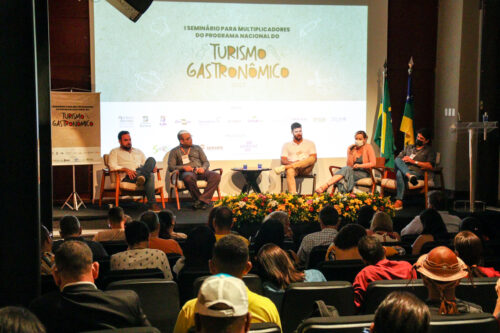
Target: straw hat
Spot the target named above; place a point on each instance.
(441, 264)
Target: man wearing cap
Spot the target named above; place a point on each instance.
(441, 272)
(230, 256)
(222, 306)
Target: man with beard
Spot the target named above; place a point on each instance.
(137, 168)
(409, 163)
(297, 158)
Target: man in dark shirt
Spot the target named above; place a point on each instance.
(409, 163)
(193, 165)
(441, 272)
(79, 305)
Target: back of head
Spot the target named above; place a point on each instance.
(69, 225)
(230, 255)
(432, 223)
(401, 312)
(349, 236)
(469, 248)
(381, 222)
(199, 245)
(365, 216)
(224, 218)
(44, 236)
(15, 319)
(473, 224)
(277, 267)
(211, 218)
(271, 231)
(151, 219)
(279, 216)
(136, 232)
(166, 218)
(73, 259)
(371, 250)
(116, 215)
(437, 200)
(329, 216)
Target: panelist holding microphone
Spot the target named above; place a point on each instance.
(193, 165)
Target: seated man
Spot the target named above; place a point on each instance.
(155, 242)
(409, 163)
(224, 222)
(116, 221)
(378, 268)
(297, 158)
(70, 229)
(139, 255)
(138, 169)
(441, 272)
(436, 200)
(222, 306)
(79, 305)
(193, 165)
(329, 222)
(231, 257)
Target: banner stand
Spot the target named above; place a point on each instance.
(77, 201)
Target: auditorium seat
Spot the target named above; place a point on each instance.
(409, 238)
(427, 247)
(316, 256)
(464, 323)
(343, 324)
(127, 330)
(299, 184)
(172, 259)
(159, 299)
(480, 291)
(264, 328)
(377, 291)
(185, 281)
(113, 247)
(299, 299)
(404, 245)
(252, 281)
(341, 270)
(129, 274)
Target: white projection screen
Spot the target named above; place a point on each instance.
(235, 75)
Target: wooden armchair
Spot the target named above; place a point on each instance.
(118, 188)
(368, 182)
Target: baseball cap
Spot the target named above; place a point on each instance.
(222, 296)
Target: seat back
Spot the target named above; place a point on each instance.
(252, 281)
(185, 281)
(300, 297)
(341, 270)
(159, 299)
(480, 291)
(404, 245)
(344, 324)
(464, 323)
(316, 256)
(113, 247)
(127, 330)
(130, 274)
(264, 328)
(427, 247)
(377, 291)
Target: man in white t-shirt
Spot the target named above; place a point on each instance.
(137, 168)
(297, 157)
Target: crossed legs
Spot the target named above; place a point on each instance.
(299, 168)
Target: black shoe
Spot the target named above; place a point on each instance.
(197, 204)
(413, 180)
(204, 206)
(140, 180)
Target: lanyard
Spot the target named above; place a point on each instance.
(185, 152)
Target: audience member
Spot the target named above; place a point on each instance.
(378, 268)
(222, 306)
(155, 242)
(139, 255)
(441, 272)
(496, 311)
(223, 223)
(382, 228)
(469, 248)
(167, 225)
(128, 218)
(278, 272)
(47, 257)
(70, 229)
(401, 312)
(271, 231)
(79, 305)
(329, 222)
(231, 257)
(345, 244)
(434, 230)
(365, 216)
(211, 218)
(197, 250)
(116, 223)
(437, 201)
(283, 217)
(475, 225)
(15, 319)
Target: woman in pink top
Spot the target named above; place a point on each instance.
(360, 157)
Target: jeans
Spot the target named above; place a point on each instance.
(146, 170)
(401, 170)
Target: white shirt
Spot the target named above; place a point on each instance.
(297, 152)
(415, 227)
(120, 158)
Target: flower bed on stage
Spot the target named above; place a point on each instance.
(252, 208)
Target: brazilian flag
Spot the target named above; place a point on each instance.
(384, 137)
(407, 121)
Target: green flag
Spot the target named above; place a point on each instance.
(384, 137)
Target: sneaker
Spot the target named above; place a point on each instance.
(155, 208)
(398, 205)
(279, 169)
(140, 180)
(413, 180)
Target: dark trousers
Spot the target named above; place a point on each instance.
(146, 170)
(190, 179)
